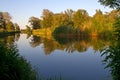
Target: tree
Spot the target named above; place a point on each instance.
(28, 29)
(6, 16)
(79, 17)
(4, 19)
(47, 18)
(111, 3)
(35, 22)
(10, 26)
(17, 28)
(112, 52)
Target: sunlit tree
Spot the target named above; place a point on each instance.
(47, 17)
(17, 28)
(35, 22)
(79, 17)
(10, 26)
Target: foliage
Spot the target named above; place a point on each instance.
(112, 60)
(112, 53)
(47, 18)
(10, 26)
(6, 24)
(79, 17)
(17, 28)
(63, 30)
(79, 21)
(35, 22)
(111, 3)
(117, 27)
(28, 29)
(13, 66)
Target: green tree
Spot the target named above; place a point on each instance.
(79, 17)
(35, 22)
(47, 17)
(17, 28)
(98, 21)
(10, 27)
(28, 29)
(112, 52)
(2, 21)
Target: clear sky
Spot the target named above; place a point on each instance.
(22, 10)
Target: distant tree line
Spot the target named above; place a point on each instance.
(79, 21)
(6, 25)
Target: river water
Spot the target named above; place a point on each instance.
(64, 58)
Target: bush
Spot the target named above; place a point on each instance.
(61, 30)
(13, 66)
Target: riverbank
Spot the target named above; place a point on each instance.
(6, 33)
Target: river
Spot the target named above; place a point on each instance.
(63, 58)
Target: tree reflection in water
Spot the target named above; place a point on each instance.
(35, 41)
(69, 44)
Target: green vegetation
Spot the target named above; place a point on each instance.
(13, 66)
(6, 25)
(28, 30)
(112, 53)
(111, 3)
(76, 22)
(112, 59)
(63, 30)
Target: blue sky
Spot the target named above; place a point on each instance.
(22, 10)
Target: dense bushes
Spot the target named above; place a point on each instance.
(13, 66)
(64, 30)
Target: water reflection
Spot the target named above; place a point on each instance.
(10, 39)
(63, 60)
(35, 41)
(69, 44)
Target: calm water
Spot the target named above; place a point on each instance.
(70, 59)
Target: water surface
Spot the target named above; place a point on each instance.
(70, 59)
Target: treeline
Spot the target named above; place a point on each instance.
(75, 21)
(6, 25)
